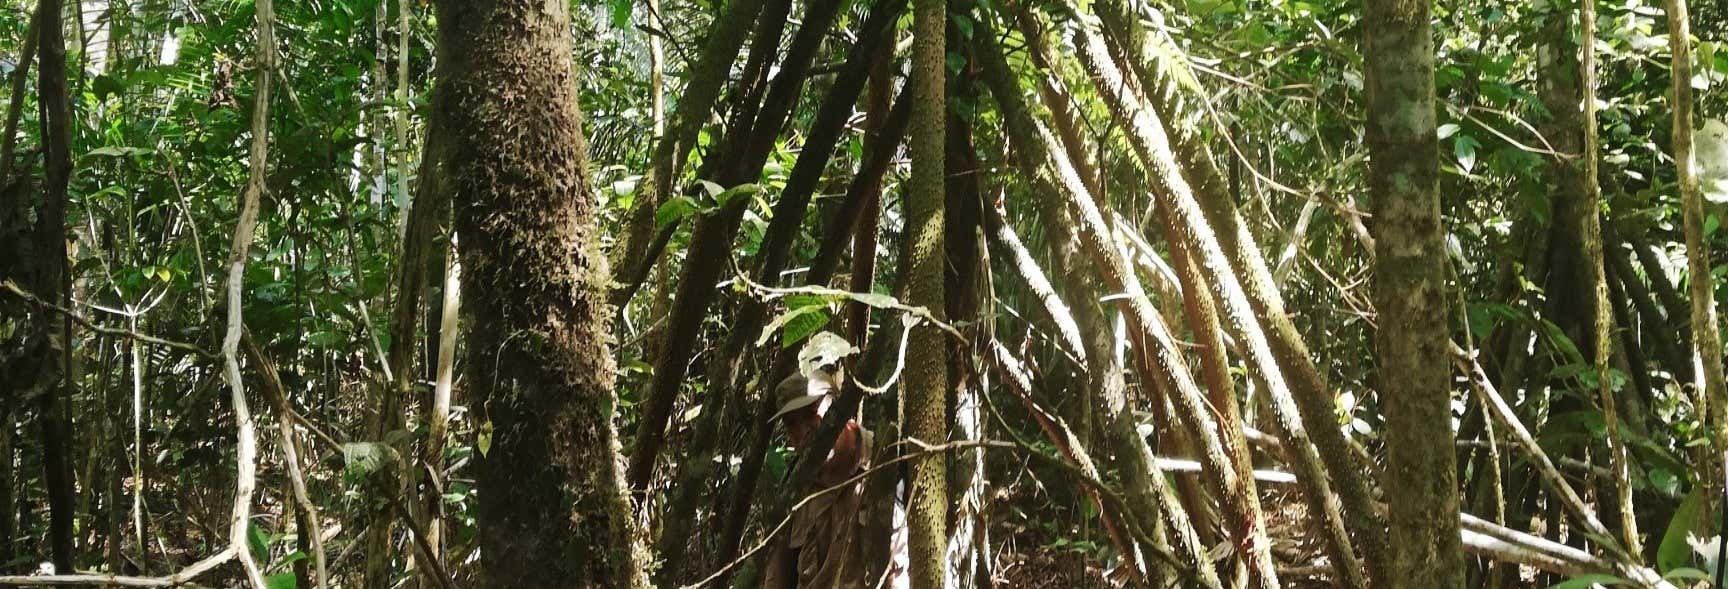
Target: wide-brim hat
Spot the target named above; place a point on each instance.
(795, 404)
(794, 394)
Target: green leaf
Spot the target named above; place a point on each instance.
(116, 151)
(1664, 481)
(1686, 574)
(483, 438)
(1557, 337)
(726, 196)
(620, 13)
(786, 318)
(1688, 519)
(258, 542)
(364, 458)
(806, 300)
(675, 210)
(104, 86)
(284, 580)
(801, 326)
(1464, 148)
(963, 24)
(291, 558)
(1446, 130)
(711, 189)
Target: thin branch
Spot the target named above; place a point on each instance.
(31, 298)
(181, 577)
(1556, 482)
(246, 448)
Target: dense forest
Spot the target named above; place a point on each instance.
(1223, 294)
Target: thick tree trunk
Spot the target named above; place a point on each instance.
(1410, 294)
(552, 508)
(924, 386)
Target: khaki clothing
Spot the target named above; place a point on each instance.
(822, 550)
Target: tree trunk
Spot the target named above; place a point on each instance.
(711, 242)
(418, 243)
(552, 509)
(924, 386)
(55, 380)
(7, 476)
(1410, 294)
(1601, 309)
(707, 77)
(1707, 340)
(1149, 496)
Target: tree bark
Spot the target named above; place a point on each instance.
(1707, 340)
(711, 244)
(53, 278)
(707, 77)
(552, 508)
(924, 386)
(1410, 295)
(1601, 309)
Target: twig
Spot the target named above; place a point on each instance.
(880, 302)
(1557, 484)
(181, 577)
(924, 450)
(291, 454)
(899, 362)
(31, 298)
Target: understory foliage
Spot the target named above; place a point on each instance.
(1116, 285)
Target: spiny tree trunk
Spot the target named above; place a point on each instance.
(924, 386)
(1323, 460)
(1410, 296)
(1148, 494)
(1707, 341)
(552, 508)
(1248, 530)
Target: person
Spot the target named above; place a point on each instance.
(821, 550)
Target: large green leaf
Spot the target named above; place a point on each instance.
(1688, 519)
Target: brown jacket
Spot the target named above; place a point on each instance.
(822, 551)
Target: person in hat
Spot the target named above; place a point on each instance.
(821, 550)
